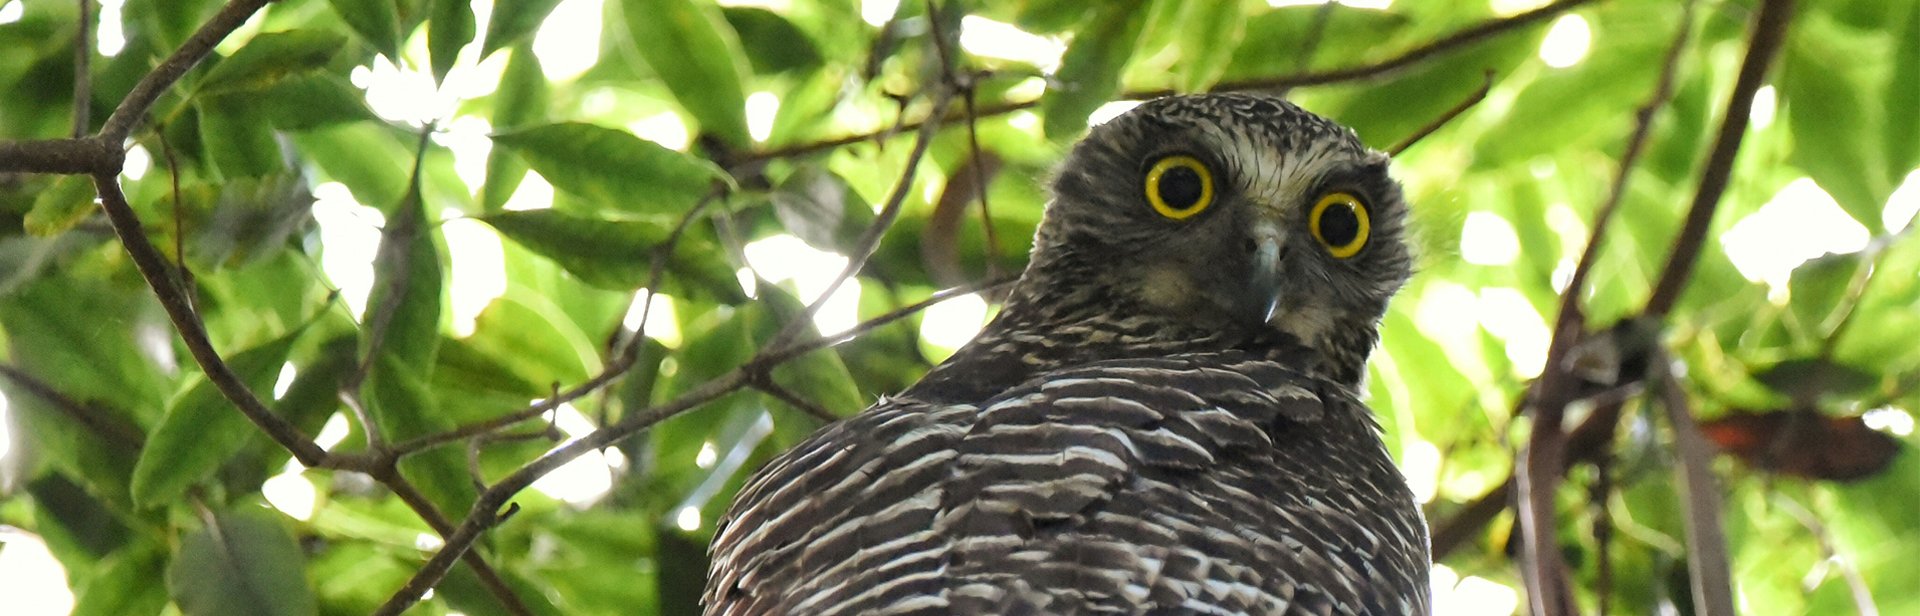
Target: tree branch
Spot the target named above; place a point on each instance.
(62, 156)
(1706, 540)
(1444, 45)
(127, 116)
(1769, 30)
(153, 267)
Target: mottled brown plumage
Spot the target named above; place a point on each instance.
(1162, 420)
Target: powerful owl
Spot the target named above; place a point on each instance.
(1163, 419)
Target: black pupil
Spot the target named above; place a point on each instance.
(1180, 188)
(1339, 225)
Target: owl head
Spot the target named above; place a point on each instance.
(1235, 212)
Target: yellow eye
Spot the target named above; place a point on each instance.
(1179, 186)
(1340, 222)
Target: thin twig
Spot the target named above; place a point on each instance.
(1706, 539)
(83, 71)
(1550, 394)
(104, 422)
(153, 267)
(127, 116)
(780, 392)
(1480, 94)
(424, 507)
(1453, 42)
(1856, 585)
(484, 514)
(870, 239)
(1769, 30)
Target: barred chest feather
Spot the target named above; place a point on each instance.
(1187, 483)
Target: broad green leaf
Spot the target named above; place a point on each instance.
(1209, 34)
(270, 58)
(377, 21)
(777, 45)
(123, 585)
(404, 408)
(1833, 122)
(614, 168)
(513, 20)
(238, 138)
(60, 207)
(820, 208)
(1903, 98)
(693, 50)
(312, 101)
(403, 308)
(243, 563)
(365, 156)
(614, 254)
(520, 100)
(202, 428)
(1090, 70)
(449, 29)
(1818, 290)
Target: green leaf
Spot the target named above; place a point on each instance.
(123, 585)
(1833, 124)
(239, 140)
(1808, 379)
(364, 156)
(513, 20)
(1903, 99)
(202, 429)
(270, 58)
(404, 408)
(520, 100)
(377, 21)
(1090, 70)
(693, 50)
(60, 207)
(403, 308)
(614, 168)
(820, 208)
(244, 562)
(312, 101)
(614, 254)
(778, 45)
(449, 29)
(1209, 34)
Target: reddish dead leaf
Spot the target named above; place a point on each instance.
(1804, 443)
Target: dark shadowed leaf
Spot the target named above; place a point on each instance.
(614, 168)
(242, 563)
(614, 254)
(449, 30)
(1090, 70)
(377, 21)
(403, 308)
(513, 20)
(123, 585)
(271, 57)
(1808, 379)
(698, 56)
(202, 429)
(521, 100)
(820, 208)
(778, 46)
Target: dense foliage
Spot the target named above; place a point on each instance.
(400, 224)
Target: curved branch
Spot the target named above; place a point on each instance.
(134, 106)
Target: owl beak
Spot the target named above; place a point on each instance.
(1265, 285)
